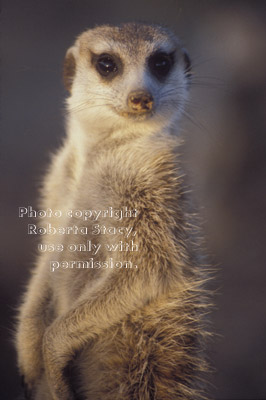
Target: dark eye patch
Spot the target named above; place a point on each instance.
(107, 65)
(160, 64)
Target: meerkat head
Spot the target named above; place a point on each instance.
(128, 74)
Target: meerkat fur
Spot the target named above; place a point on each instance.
(119, 333)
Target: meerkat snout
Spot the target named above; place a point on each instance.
(140, 101)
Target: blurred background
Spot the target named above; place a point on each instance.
(225, 156)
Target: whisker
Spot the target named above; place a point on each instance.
(196, 123)
(88, 106)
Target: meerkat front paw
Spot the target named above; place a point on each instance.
(28, 393)
(29, 357)
(29, 378)
(29, 385)
(56, 357)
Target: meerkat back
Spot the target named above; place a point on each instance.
(121, 319)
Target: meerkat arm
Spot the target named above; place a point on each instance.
(108, 305)
(33, 316)
(31, 326)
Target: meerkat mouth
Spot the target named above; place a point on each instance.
(139, 116)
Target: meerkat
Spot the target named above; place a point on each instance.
(130, 328)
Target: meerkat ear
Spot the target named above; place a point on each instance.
(187, 61)
(69, 68)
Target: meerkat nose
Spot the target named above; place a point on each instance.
(140, 101)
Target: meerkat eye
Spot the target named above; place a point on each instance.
(106, 65)
(160, 64)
